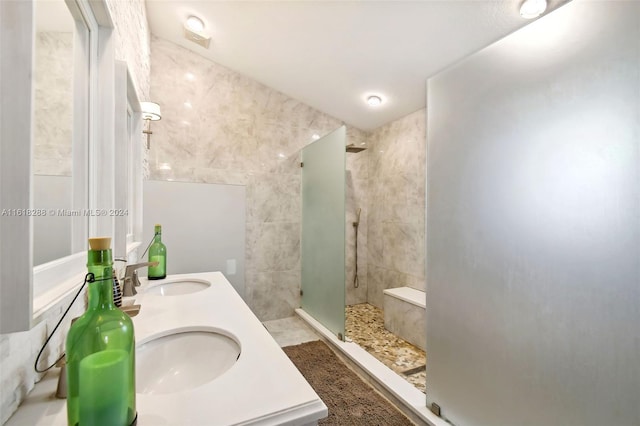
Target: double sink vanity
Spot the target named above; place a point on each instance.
(202, 358)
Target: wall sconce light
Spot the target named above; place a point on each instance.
(150, 112)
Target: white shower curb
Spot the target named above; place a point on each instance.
(412, 399)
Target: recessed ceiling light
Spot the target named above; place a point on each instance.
(533, 8)
(374, 100)
(315, 136)
(189, 76)
(194, 24)
(188, 105)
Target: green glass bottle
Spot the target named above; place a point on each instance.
(158, 253)
(100, 352)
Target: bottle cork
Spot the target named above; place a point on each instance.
(100, 243)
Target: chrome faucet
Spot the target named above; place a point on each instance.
(131, 280)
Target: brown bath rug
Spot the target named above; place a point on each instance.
(350, 400)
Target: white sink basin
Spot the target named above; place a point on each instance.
(180, 360)
(178, 287)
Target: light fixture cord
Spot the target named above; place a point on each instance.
(149, 245)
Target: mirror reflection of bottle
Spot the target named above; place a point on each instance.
(158, 253)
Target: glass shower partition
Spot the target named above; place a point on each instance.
(323, 230)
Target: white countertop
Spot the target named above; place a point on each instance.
(262, 388)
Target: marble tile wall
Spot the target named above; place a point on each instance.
(219, 126)
(396, 214)
(19, 350)
(132, 43)
(53, 100)
(405, 320)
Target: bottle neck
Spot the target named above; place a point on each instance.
(158, 237)
(100, 292)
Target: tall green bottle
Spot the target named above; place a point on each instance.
(158, 253)
(100, 352)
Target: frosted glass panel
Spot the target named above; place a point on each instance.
(323, 230)
(533, 225)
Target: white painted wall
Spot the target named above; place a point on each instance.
(203, 227)
(533, 232)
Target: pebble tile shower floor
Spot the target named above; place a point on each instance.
(365, 326)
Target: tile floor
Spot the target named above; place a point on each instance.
(290, 331)
(365, 326)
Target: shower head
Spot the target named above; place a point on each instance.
(353, 148)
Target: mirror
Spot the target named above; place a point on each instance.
(55, 59)
(55, 120)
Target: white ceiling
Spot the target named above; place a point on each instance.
(331, 54)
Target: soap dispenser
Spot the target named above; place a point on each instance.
(100, 352)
